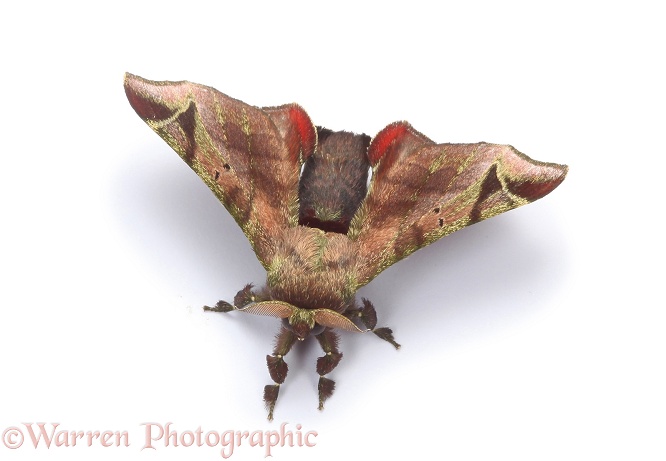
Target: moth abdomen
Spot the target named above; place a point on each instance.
(334, 181)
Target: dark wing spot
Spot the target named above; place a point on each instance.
(217, 175)
(187, 122)
(489, 186)
(441, 222)
(227, 166)
(436, 210)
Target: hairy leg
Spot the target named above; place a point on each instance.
(368, 316)
(277, 367)
(244, 297)
(328, 340)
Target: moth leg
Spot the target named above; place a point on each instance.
(247, 296)
(242, 299)
(277, 367)
(221, 306)
(328, 340)
(368, 316)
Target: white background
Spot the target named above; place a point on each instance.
(538, 334)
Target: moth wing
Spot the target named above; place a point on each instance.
(249, 157)
(421, 191)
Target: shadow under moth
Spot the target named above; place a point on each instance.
(320, 228)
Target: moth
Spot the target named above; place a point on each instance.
(326, 211)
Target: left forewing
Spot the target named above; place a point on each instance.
(249, 157)
(421, 191)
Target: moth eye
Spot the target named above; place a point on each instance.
(318, 329)
(217, 175)
(436, 210)
(227, 166)
(441, 222)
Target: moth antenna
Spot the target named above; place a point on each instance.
(332, 319)
(276, 309)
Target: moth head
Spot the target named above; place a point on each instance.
(302, 323)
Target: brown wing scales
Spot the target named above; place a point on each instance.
(423, 191)
(249, 157)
